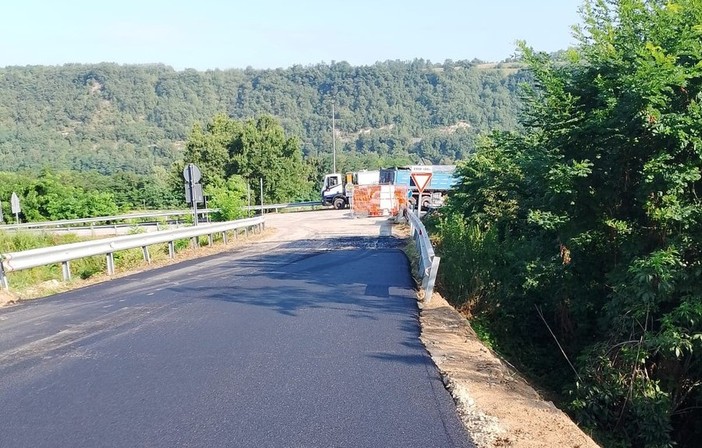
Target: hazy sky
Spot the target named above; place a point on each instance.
(208, 34)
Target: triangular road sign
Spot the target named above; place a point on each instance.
(421, 179)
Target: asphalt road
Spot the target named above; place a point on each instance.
(306, 340)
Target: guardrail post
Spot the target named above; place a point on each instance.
(66, 269)
(224, 237)
(3, 278)
(209, 239)
(430, 279)
(195, 242)
(171, 249)
(246, 231)
(110, 264)
(421, 269)
(147, 257)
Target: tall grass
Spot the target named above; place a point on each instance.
(19, 241)
(84, 268)
(468, 261)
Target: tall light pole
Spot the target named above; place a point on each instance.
(333, 138)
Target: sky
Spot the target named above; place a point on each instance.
(211, 34)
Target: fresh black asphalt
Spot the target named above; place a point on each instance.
(305, 346)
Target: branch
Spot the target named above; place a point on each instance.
(541, 315)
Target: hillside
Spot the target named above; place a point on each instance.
(113, 118)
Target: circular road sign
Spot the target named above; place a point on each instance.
(192, 173)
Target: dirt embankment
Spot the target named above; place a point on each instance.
(498, 407)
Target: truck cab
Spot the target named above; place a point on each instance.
(337, 190)
(333, 191)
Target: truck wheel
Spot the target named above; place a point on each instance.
(339, 203)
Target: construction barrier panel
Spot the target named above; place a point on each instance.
(379, 200)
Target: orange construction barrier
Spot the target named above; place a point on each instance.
(378, 200)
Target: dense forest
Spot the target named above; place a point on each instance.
(131, 118)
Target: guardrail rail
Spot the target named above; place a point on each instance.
(83, 221)
(127, 219)
(428, 261)
(64, 253)
(276, 207)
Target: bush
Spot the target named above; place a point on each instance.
(229, 200)
(581, 233)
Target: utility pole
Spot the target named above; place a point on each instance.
(261, 179)
(333, 138)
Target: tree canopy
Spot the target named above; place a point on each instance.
(255, 149)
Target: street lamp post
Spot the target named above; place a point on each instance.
(333, 138)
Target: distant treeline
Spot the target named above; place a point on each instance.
(130, 118)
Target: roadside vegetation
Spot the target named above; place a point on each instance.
(234, 156)
(43, 280)
(577, 242)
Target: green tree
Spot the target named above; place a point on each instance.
(209, 148)
(591, 220)
(253, 149)
(262, 151)
(111, 118)
(53, 196)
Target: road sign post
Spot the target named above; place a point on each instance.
(15, 203)
(193, 190)
(421, 179)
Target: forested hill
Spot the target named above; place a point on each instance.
(113, 118)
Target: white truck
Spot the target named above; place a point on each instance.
(337, 190)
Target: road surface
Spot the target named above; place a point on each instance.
(307, 339)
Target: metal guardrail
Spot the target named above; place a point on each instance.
(71, 222)
(428, 261)
(64, 253)
(63, 223)
(109, 229)
(277, 207)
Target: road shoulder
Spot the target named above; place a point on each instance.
(497, 406)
